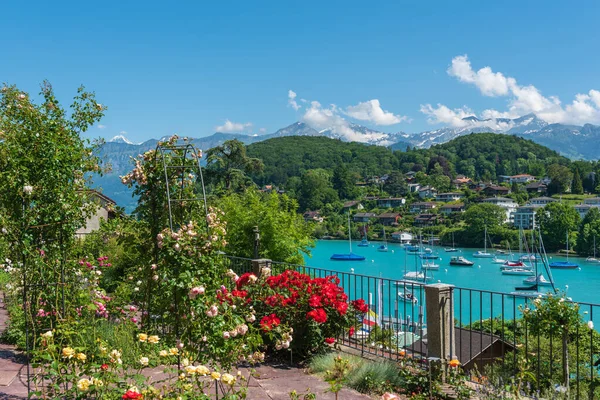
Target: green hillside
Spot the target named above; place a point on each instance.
(291, 156)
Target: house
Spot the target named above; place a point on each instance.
(426, 220)
(524, 216)
(391, 202)
(410, 174)
(389, 219)
(446, 197)
(541, 201)
(312, 216)
(402, 237)
(509, 205)
(474, 349)
(350, 204)
(452, 208)
(536, 187)
(594, 201)
(495, 190)
(363, 217)
(461, 181)
(583, 209)
(413, 187)
(103, 212)
(422, 206)
(477, 186)
(521, 178)
(427, 192)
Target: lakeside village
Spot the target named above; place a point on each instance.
(514, 204)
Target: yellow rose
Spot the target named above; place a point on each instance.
(173, 351)
(153, 339)
(142, 337)
(81, 357)
(47, 334)
(190, 369)
(185, 362)
(228, 379)
(187, 387)
(202, 370)
(163, 353)
(144, 361)
(83, 384)
(97, 382)
(68, 352)
(215, 375)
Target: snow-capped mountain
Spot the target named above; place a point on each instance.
(121, 139)
(362, 134)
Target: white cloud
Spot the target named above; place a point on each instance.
(101, 127)
(123, 133)
(585, 108)
(292, 100)
(458, 117)
(371, 111)
(230, 127)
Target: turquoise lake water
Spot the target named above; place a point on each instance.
(582, 285)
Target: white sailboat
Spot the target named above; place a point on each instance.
(593, 259)
(451, 249)
(484, 253)
(384, 247)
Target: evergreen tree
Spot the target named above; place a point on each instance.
(396, 185)
(576, 185)
(343, 182)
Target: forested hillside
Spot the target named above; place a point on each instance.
(291, 156)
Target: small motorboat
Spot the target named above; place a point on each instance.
(537, 280)
(451, 250)
(518, 271)
(530, 257)
(430, 266)
(428, 256)
(461, 262)
(482, 254)
(498, 261)
(383, 248)
(407, 297)
(417, 276)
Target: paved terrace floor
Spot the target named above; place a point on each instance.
(273, 382)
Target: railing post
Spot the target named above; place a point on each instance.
(440, 321)
(258, 265)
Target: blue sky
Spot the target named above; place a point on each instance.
(188, 67)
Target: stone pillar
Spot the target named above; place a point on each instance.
(260, 263)
(440, 321)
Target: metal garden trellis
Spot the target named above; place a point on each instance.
(178, 161)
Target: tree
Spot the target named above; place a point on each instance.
(577, 185)
(514, 188)
(561, 178)
(556, 220)
(396, 185)
(229, 165)
(284, 236)
(343, 182)
(479, 216)
(316, 190)
(589, 233)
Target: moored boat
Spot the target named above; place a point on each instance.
(518, 271)
(537, 280)
(461, 262)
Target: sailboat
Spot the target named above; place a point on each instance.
(451, 249)
(484, 253)
(564, 264)
(364, 242)
(350, 256)
(593, 259)
(384, 246)
(534, 282)
(537, 280)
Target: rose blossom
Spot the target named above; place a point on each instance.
(225, 335)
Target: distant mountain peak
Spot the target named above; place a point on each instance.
(121, 139)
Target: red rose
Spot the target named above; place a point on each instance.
(360, 306)
(104, 367)
(318, 315)
(244, 279)
(351, 331)
(269, 322)
(132, 395)
(342, 307)
(314, 301)
(330, 340)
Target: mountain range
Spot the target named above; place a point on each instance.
(576, 142)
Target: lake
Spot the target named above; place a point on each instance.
(582, 284)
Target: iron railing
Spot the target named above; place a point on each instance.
(491, 339)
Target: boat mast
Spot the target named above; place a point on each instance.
(485, 240)
(349, 233)
(567, 245)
